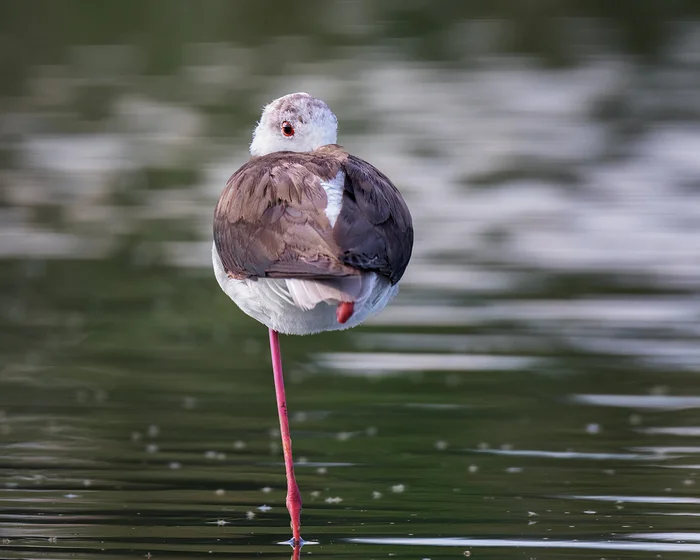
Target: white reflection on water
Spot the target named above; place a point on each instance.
(691, 537)
(604, 312)
(478, 343)
(534, 543)
(650, 402)
(638, 499)
(665, 450)
(690, 431)
(664, 352)
(435, 406)
(386, 363)
(572, 454)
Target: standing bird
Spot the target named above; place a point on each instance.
(307, 238)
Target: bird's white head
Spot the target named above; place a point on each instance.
(296, 122)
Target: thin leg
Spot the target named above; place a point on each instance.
(293, 496)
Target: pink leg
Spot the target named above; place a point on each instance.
(293, 496)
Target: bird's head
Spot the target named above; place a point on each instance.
(296, 122)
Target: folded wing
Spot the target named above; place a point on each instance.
(270, 222)
(374, 228)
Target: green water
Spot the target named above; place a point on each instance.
(531, 393)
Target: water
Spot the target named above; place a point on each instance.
(532, 392)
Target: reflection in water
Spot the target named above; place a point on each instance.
(574, 455)
(641, 402)
(368, 364)
(545, 544)
(534, 385)
(641, 499)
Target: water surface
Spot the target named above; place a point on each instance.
(531, 393)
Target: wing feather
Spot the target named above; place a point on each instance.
(374, 228)
(270, 219)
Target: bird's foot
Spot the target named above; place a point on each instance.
(294, 508)
(344, 311)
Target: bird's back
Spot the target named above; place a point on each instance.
(288, 259)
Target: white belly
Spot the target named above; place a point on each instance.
(277, 304)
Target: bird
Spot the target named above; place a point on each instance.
(307, 238)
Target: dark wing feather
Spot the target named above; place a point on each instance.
(374, 229)
(271, 222)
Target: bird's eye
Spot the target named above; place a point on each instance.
(287, 128)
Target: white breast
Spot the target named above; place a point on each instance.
(293, 306)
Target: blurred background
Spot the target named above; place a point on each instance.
(532, 392)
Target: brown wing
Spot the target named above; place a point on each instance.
(374, 229)
(271, 222)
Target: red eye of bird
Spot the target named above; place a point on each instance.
(287, 128)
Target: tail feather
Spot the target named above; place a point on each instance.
(306, 294)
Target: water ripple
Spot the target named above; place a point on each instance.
(388, 363)
(683, 431)
(651, 402)
(534, 543)
(571, 454)
(638, 499)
